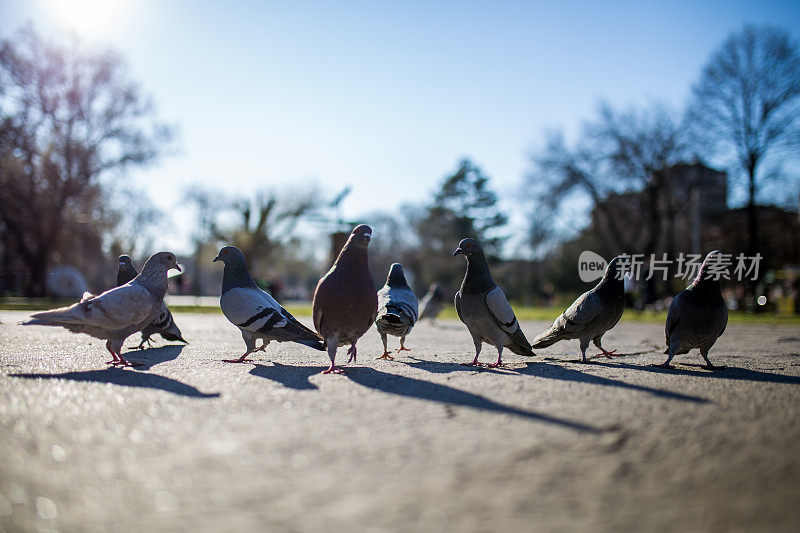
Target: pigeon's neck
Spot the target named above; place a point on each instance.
(234, 276)
(124, 275)
(478, 278)
(397, 280)
(352, 257)
(153, 278)
(610, 283)
(706, 286)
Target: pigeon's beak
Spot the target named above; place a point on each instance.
(215, 259)
(458, 251)
(178, 267)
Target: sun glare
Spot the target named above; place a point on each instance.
(89, 16)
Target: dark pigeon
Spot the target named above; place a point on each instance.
(591, 315)
(345, 302)
(432, 303)
(164, 324)
(397, 309)
(119, 312)
(697, 316)
(254, 312)
(483, 307)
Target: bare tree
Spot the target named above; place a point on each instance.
(747, 105)
(68, 118)
(260, 226)
(617, 152)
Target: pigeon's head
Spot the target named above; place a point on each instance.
(125, 261)
(468, 247)
(165, 259)
(615, 268)
(230, 255)
(360, 235)
(709, 270)
(396, 275)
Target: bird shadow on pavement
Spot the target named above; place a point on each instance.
(435, 392)
(147, 358)
(550, 371)
(126, 378)
(595, 358)
(445, 367)
(730, 372)
(292, 377)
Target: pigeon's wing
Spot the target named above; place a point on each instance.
(118, 308)
(504, 316)
(571, 322)
(673, 316)
(457, 304)
(252, 309)
(501, 310)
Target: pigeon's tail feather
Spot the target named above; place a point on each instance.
(548, 338)
(520, 349)
(317, 344)
(57, 317)
(171, 336)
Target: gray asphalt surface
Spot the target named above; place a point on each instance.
(187, 442)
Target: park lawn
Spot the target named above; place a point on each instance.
(546, 314)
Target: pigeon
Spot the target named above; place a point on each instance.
(164, 324)
(697, 316)
(345, 302)
(254, 311)
(397, 309)
(483, 307)
(119, 312)
(432, 303)
(591, 315)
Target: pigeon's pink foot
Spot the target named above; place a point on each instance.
(473, 363)
(403, 349)
(352, 353)
(605, 353)
(386, 356)
(498, 364)
(124, 362)
(333, 370)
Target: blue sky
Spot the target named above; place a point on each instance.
(386, 97)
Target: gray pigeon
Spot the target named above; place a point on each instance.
(697, 316)
(397, 309)
(591, 315)
(483, 307)
(255, 312)
(345, 302)
(432, 303)
(164, 324)
(119, 312)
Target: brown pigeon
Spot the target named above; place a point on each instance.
(345, 300)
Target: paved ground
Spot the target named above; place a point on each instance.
(422, 443)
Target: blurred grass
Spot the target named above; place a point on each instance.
(546, 314)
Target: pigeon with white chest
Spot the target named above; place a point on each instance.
(397, 309)
(254, 312)
(119, 312)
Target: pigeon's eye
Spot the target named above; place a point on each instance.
(469, 245)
